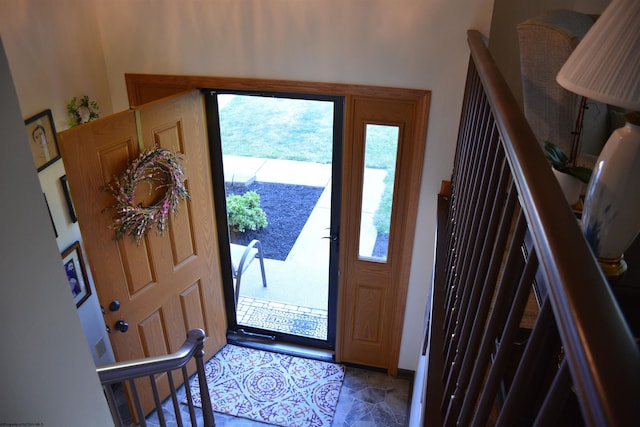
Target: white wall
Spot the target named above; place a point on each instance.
(47, 372)
(55, 54)
(409, 43)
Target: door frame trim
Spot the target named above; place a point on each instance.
(142, 88)
(145, 87)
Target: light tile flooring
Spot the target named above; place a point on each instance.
(370, 398)
(367, 399)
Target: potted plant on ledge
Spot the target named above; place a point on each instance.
(571, 177)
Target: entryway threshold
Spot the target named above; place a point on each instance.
(280, 347)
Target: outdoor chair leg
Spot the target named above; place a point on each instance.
(241, 266)
(261, 258)
(237, 294)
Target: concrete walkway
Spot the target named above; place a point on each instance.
(302, 279)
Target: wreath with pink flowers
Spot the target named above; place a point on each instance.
(161, 168)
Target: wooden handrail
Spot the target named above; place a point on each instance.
(122, 371)
(603, 358)
(193, 348)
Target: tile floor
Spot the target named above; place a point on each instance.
(367, 399)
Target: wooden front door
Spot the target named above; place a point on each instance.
(165, 285)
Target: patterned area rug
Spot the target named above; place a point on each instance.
(306, 325)
(270, 387)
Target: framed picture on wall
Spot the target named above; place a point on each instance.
(42, 139)
(53, 224)
(76, 273)
(67, 197)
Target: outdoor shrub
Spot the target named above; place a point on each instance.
(244, 212)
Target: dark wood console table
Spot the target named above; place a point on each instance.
(627, 290)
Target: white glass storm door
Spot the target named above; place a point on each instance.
(276, 160)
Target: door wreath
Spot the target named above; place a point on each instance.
(159, 166)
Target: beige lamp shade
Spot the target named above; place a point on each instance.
(605, 66)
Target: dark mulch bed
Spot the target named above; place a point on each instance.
(287, 207)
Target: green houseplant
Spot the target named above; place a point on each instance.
(571, 177)
(562, 163)
(83, 112)
(244, 212)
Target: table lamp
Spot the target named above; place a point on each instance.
(605, 66)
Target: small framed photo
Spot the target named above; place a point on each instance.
(76, 273)
(42, 139)
(67, 197)
(53, 224)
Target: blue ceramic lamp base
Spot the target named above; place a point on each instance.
(611, 215)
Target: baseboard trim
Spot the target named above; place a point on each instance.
(406, 374)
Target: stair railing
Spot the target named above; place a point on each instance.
(126, 373)
(524, 328)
